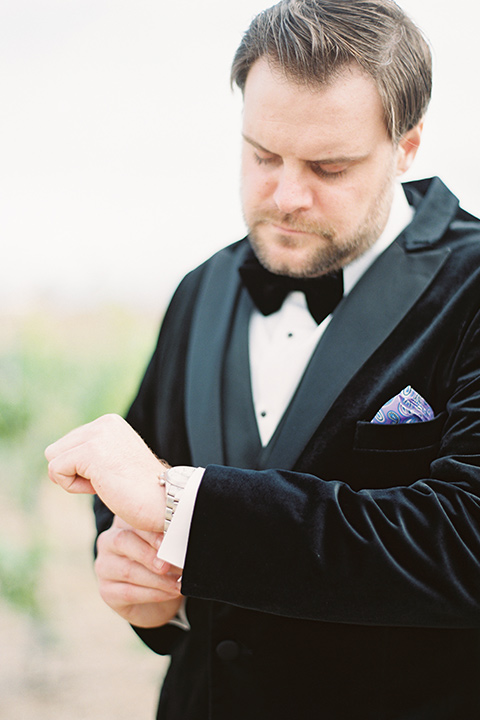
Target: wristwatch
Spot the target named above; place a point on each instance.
(174, 481)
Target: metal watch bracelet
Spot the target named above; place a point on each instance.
(174, 481)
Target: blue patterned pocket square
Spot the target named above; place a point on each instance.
(406, 407)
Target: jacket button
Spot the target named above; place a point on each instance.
(228, 650)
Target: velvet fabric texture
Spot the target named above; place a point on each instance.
(339, 578)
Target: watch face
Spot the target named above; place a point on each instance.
(179, 475)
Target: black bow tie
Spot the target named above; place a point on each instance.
(268, 291)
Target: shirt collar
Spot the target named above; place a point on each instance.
(401, 215)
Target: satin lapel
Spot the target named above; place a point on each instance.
(362, 321)
(210, 329)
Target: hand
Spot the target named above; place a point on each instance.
(130, 582)
(107, 457)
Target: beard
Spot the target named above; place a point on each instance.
(330, 253)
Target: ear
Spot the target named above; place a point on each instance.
(407, 148)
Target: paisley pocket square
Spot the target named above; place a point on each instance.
(406, 407)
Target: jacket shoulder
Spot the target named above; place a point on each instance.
(439, 219)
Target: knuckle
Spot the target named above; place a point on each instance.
(117, 595)
(127, 571)
(101, 541)
(127, 594)
(118, 539)
(107, 541)
(105, 591)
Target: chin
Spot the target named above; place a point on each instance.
(289, 261)
(285, 262)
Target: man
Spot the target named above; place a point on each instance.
(326, 522)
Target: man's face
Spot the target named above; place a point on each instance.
(318, 170)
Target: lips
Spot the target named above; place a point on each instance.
(288, 230)
(283, 226)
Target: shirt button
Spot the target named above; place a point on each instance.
(228, 650)
(263, 413)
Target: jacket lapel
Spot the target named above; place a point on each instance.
(215, 306)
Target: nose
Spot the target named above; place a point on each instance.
(293, 192)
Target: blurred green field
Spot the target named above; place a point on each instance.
(57, 371)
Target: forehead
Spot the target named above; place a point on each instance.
(281, 115)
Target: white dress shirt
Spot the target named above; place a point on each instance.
(281, 346)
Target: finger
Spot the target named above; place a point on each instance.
(62, 470)
(151, 538)
(104, 427)
(82, 434)
(121, 594)
(122, 540)
(72, 483)
(162, 567)
(67, 442)
(119, 569)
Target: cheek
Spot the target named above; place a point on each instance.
(337, 201)
(344, 207)
(256, 187)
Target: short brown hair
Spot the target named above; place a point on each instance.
(312, 41)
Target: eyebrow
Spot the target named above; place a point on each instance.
(342, 159)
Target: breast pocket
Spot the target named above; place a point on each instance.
(389, 455)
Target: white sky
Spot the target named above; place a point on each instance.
(119, 139)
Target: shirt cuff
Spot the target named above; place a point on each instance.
(174, 546)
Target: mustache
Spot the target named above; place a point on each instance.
(292, 222)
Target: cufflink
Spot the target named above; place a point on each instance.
(174, 480)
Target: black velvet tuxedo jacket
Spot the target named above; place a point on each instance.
(339, 577)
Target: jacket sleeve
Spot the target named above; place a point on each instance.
(303, 547)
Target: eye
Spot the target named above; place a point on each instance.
(270, 160)
(333, 173)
